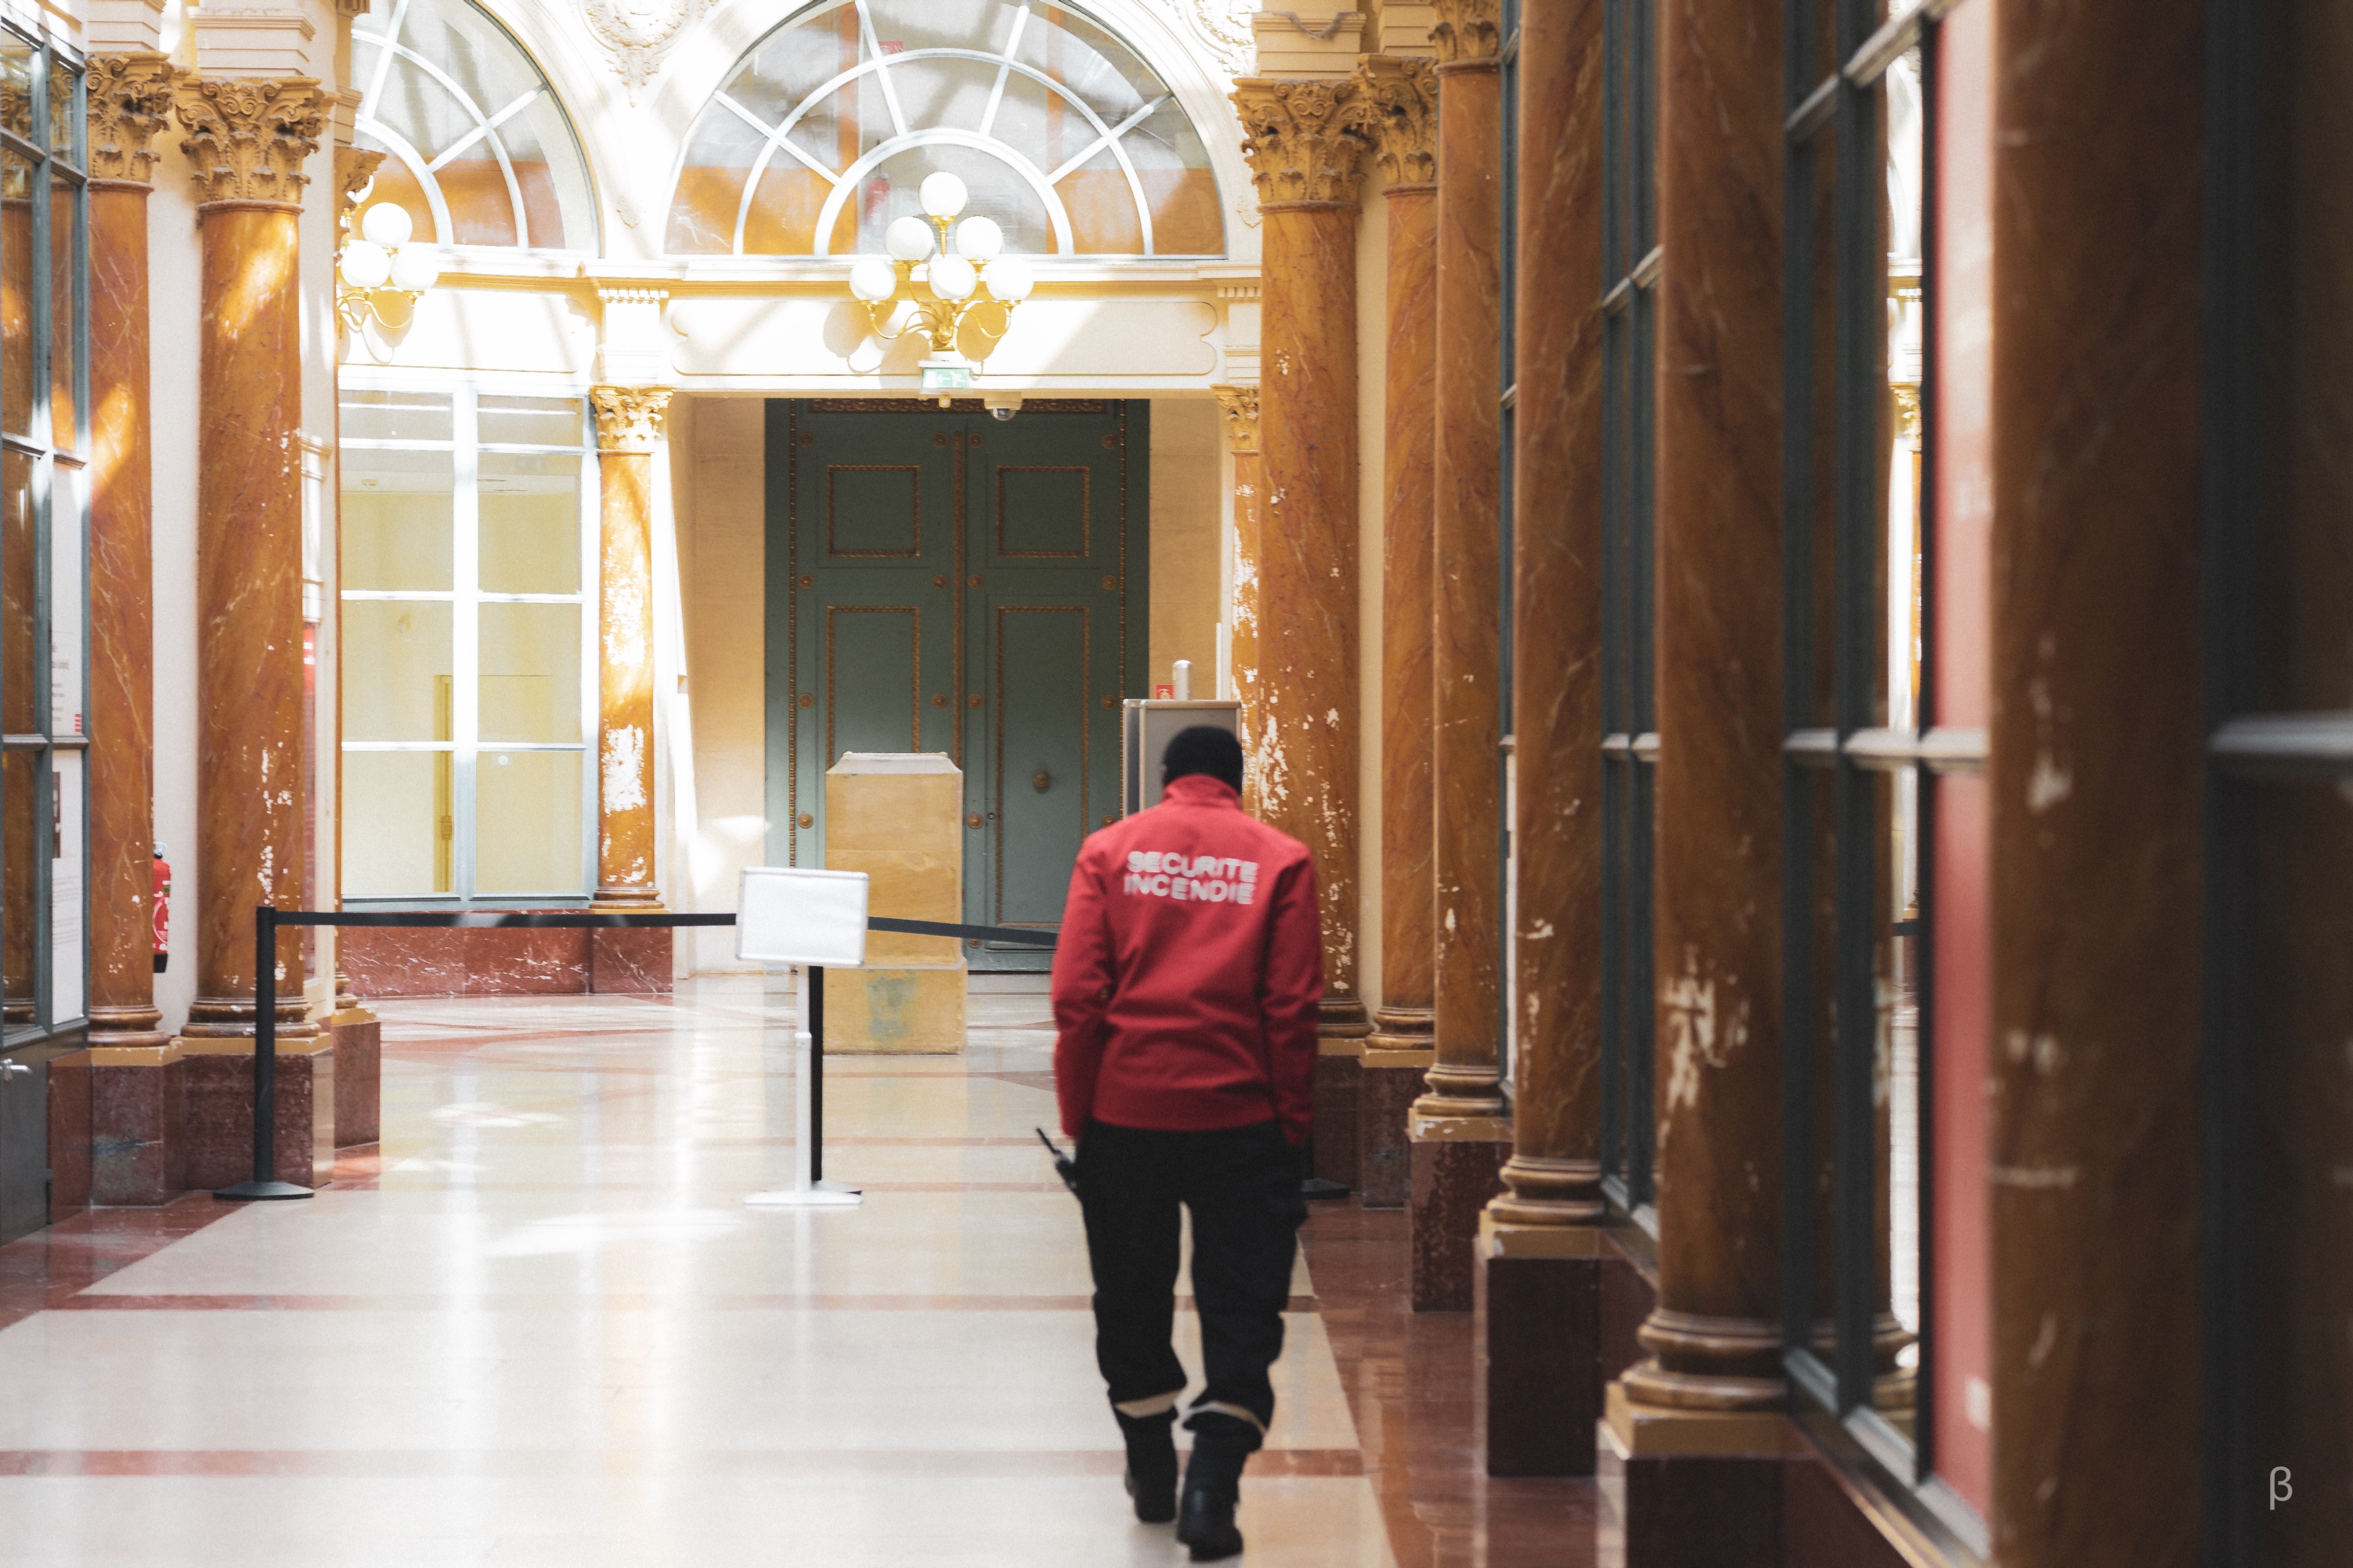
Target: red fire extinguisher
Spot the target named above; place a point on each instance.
(162, 912)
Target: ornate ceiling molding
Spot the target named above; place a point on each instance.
(637, 33)
(1224, 29)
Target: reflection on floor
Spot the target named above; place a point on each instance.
(537, 1325)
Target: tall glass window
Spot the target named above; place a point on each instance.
(1859, 747)
(44, 533)
(1630, 745)
(1508, 427)
(481, 151)
(1060, 132)
(469, 691)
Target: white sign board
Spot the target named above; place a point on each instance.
(787, 915)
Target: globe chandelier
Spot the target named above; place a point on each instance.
(960, 266)
(382, 261)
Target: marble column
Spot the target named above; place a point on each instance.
(1238, 405)
(628, 427)
(1540, 1243)
(248, 140)
(1710, 1392)
(1459, 1137)
(1398, 107)
(1303, 150)
(2094, 777)
(133, 1076)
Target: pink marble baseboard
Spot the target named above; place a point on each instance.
(630, 960)
(70, 1134)
(390, 961)
(1452, 1180)
(220, 1114)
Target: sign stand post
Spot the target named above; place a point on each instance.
(806, 920)
(809, 1188)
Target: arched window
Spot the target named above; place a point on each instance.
(482, 154)
(1061, 132)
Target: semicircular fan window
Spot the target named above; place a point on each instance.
(479, 150)
(1061, 132)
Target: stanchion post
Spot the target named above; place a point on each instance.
(265, 1183)
(815, 973)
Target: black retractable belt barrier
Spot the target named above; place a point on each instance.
(268, 918)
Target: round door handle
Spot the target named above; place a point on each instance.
(973, 821)
(806, 820)
(1041, 781)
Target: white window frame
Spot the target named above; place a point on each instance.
(465, 597)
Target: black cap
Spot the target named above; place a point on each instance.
(1203, 749)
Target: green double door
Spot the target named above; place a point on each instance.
(943, 581)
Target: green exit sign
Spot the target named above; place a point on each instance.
(946, 377)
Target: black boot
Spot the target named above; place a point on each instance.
(1205, 1516)
(1151, 1464)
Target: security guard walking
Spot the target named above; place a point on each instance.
(1186, 983)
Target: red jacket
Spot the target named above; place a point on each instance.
(1189, 972)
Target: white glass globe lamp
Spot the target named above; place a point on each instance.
(366, 264)
(1010, 278)
(953, 277)
(980, 239)
(415, 268)
(872, 280)
(942, 194)
(385, 223)
(908, 239)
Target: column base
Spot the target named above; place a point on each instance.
(69, 1133)
(138, 1123)
(1388, 1082)
(1339, 1096)
(357, 1036)
(218, 1073)
(1457, 1163)
(1541, 1288)
(630, 960)
(1698, 1490)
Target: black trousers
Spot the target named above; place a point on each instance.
(1242, 1186)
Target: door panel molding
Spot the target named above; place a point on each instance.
(1000, 639)
(1086, 511)
(914, 473)
(914, 614)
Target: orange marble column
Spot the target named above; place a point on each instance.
(629, 425)
(1714, 1378)
(1540, 1243)
(129, 99)
(1304, 150)
(247, 140)
(134, 1156)
(1240, 406)
(1399, 109)
(1458, 1134)
(2095, 771)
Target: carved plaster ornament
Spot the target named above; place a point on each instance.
(1301, 140)
(1466, 31)
(1224, 29)
(628, 418)
(130, 100)
(1240, 406)
(1397, 111)
(247, 139)
(637, 33)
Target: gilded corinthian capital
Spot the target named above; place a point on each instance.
(628, 418)
(248, 138)
(1397, 105)
(1466, 32)
(1240, 406)
(1301, 139)
(130, 100)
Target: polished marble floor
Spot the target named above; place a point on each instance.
(538, 1326)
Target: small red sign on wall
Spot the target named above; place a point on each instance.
(1163, 691)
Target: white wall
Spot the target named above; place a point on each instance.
(1187, 514)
